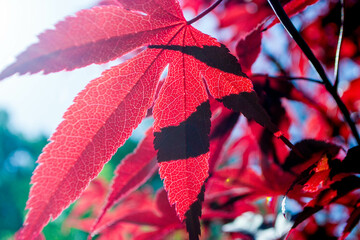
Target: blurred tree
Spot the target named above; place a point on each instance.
(17, 161)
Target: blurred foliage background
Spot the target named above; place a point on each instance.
(17, 161)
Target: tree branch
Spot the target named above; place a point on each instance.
(338, 48)
(286, 78)
(290, 28)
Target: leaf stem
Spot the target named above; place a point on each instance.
(338, 48)
(290, 28)
(206, 11)
(300, 78)
(286, 78)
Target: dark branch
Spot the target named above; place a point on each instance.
(290, 28)
(286, 78)
(206, 11)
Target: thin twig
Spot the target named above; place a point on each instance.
(290, 28)
(274, 61)
(285, 78)
(206, 11)
(301, 78)
(338, 48)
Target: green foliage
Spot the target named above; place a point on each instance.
(17, 161)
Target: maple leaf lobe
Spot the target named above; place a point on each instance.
(96, 35)
(193, 215)
(217, 57)
(247, 103)
(189, 139)
(92, 130)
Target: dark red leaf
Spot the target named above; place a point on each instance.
(351, 222)
(348, 164)
(248, 49)
(311, 151)
(336, 191)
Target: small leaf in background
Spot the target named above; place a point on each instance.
(248, 49)
(351, 97)
(337, 191)
(312, 151)
(347, 164)
(134, 170)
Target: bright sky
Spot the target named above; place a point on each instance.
(37, 102)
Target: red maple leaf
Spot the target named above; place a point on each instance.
(133, 204)
(110, 107)
(158, 215)
(248, 49)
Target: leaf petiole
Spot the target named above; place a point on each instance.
(206, 11)
(286, 78)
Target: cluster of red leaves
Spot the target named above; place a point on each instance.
(195, 109)
(127, 218)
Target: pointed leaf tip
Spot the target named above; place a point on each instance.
(193, 215)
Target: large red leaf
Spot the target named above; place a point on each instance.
(100, 120)
(105, 113)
